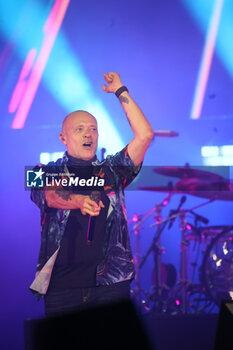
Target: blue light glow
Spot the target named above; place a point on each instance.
(201, 11)
(210, 151)
(217, 155)
(46, 157)
(64, 75)
(227, 150)
(72, 89)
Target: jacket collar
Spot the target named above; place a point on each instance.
(66, 159)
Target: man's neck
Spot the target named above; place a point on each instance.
(80, 161)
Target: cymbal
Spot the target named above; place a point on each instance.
(219, 228)
(157, 188)
(207, 233)
(208, 188)
(215, 230)
(185, 172)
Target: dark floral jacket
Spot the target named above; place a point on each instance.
(117, 264)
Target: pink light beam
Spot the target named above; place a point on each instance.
(30, 86)
(22, 83)
(206, 60)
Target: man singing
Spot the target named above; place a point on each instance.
(75, 271)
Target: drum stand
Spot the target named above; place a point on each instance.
(137, 260)
(183, 261)
(157, 251)
(183, 282)
(138, 219)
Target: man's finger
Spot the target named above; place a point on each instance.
(91, 207)
(104, 87)
(101, 204)
(105, 77)
(112, 74)
(91, 212)
(108, 78)
(91, 202)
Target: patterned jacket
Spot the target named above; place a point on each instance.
(117, 264)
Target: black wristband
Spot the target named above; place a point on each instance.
(120, 90)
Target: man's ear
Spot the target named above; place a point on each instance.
(62, 138)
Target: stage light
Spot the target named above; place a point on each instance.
(63, 74)
(73, 91)
(217, 155)
(55, 155)
(218, 161)
(201, 10)
(212, 20)
(46, 157)
(210, 151)
(226, 150)
(32, 80)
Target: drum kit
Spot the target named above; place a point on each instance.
(170, 293)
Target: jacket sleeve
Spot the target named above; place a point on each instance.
(38, 194)
(124, 167)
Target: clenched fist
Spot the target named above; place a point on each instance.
(88, 206)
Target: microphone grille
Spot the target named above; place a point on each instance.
(95, 196)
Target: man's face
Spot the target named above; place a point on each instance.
(80, 135)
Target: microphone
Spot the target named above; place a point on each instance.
(200, 218)
(172, 212)
(165, 133)
(103, 150)
(94, 196)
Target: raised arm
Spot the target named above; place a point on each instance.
(142, 129)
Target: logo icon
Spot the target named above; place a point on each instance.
(35, 178)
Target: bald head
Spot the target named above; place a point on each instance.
(76, 117)
(80, 134)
